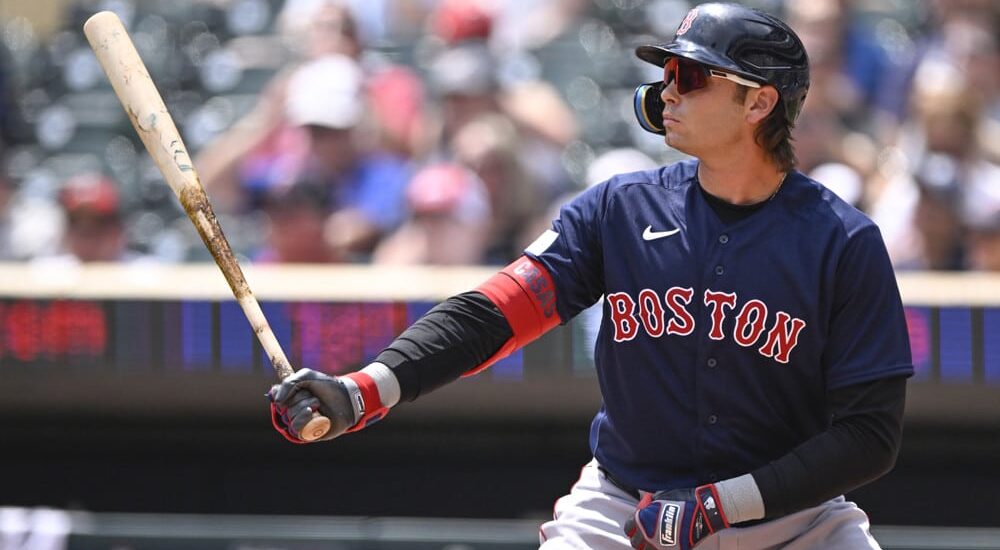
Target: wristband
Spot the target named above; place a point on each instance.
(740, 498)
(372, 391)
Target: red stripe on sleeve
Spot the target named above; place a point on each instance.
(525, 294)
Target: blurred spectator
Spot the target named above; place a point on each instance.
(915, 202)
(366, 187)
(395, 92)
(836, 48)
(371, 19)
(314, 30)
(565, 44)
(981, 212)
(966, 54)
(449, 222)
(832, 95)
(960, 34)
(95, 231)
(827, 148)
(455, 21)
(937, 217)
(547, 127)
(399, 109)
(297, 215)
(546, 31)
(464, 79)
(490, 145)
(326, 144)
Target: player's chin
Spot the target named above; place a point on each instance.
(674, 141)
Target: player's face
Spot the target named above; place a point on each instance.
(701, 113)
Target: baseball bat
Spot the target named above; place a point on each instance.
(148, 114)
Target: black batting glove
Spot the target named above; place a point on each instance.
(297, 397)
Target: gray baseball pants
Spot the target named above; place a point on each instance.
(593, 514)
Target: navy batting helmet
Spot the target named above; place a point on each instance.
(738, 40)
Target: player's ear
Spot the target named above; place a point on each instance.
(760, 102)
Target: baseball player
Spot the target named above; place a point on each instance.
(753, 353)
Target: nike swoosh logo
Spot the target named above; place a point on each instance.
(650, 235)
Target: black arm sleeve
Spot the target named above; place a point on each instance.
(861, 445)
(456, 336)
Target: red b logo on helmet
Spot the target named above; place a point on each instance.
(686, 24)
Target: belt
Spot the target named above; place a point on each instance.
(631, 491)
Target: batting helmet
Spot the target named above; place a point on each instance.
(738, 40)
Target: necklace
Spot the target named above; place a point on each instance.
(778, 188)
(760, 202)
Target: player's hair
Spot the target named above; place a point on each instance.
(774, 135)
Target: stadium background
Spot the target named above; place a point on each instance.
(133, 414)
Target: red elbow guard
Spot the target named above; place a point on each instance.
(525, 294)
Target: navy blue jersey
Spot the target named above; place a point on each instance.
(719, 342)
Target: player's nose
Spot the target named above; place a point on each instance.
(669, 92)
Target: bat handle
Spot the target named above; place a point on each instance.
(315, 428)
(318, 425)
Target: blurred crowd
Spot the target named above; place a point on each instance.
(449, 131)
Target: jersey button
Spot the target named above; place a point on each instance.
(719, 270)
(712, 419)
(723, 238)
(712, 362)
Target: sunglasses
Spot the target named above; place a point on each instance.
(691, 75)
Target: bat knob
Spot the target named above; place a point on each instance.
(315, 428)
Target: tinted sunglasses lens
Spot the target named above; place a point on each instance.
(688, 74)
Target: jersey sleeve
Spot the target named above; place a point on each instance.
(868, 339)
(572, 254)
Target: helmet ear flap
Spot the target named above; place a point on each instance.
(649, 107)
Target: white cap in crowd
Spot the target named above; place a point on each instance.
(326, 92)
